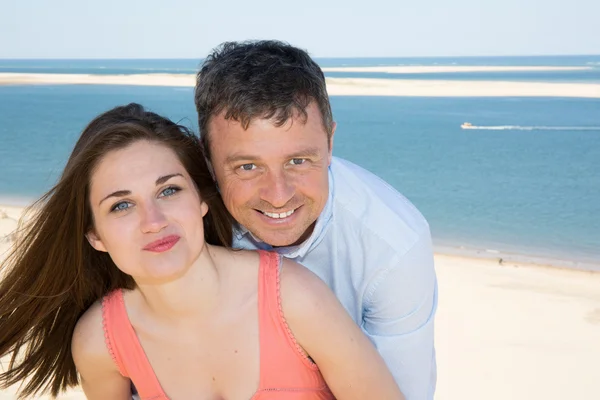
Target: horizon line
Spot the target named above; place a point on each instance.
(314, 57)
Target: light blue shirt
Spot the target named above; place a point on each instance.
(373, 248)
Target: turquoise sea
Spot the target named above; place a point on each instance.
(524, 184)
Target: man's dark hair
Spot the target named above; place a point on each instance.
(259, 79)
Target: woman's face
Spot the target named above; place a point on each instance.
(147, 212)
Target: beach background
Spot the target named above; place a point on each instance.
(513, 203)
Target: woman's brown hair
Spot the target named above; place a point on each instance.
(52, 275)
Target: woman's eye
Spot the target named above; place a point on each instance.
(297, 161)
(170, 191)
(247, 167)
(124, 205)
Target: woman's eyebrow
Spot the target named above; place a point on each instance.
(121, 193)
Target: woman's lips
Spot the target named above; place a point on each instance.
(162, 245)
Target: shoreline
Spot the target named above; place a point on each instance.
(337, 86)
(511, 258)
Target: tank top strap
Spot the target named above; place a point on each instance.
(282, 359)
(125, 348)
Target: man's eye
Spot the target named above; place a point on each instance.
(247, 167)
(124, 205)
(297, 161)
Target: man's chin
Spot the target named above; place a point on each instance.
(281, 234)
(284, 239)
(276, 240)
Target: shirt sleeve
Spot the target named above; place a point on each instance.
(400, 306)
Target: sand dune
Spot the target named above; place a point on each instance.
(338, 86)
(182, 80)
(435, 88)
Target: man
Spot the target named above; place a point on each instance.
(267, 128)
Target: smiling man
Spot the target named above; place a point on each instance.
(267, 128)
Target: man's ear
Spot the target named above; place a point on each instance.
(95, 241)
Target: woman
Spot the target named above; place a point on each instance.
(125, 275)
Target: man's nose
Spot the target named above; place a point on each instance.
(278, 188)
(153, 218)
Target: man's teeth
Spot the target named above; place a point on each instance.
(278, 215)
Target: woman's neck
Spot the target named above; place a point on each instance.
(192, 295)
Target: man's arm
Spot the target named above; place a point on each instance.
(400, 305)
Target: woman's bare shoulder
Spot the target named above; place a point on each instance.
(303, 293)
(99, 375)
(88, 345)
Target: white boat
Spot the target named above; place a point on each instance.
(467, 125)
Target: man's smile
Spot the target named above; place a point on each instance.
(278, 215)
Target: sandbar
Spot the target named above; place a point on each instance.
(338, 86)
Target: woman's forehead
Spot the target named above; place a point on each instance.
(139, 163)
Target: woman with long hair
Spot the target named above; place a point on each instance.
(123, 274)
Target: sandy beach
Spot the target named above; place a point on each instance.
(510, 331)
(339, 86)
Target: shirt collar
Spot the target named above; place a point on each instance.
(302, 249)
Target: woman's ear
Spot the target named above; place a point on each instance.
(95, 241)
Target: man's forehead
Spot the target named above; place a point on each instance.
(266, 138)
(291, 114)
(263, 121)
(264, 128)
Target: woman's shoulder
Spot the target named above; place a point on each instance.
(98, 370)
(88, 344)
(303, 294)
(88, 336)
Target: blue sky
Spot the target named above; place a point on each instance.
(326, 28)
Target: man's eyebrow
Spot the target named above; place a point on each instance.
(308, 152)
(122, 193)
(239, 157)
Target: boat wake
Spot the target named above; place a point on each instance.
(529, 128)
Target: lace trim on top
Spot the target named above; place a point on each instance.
(106, 301)
(299, 350)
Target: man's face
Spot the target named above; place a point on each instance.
(273, 180)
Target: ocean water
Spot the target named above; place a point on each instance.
(524, 183)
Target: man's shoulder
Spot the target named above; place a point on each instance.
(377, 209)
